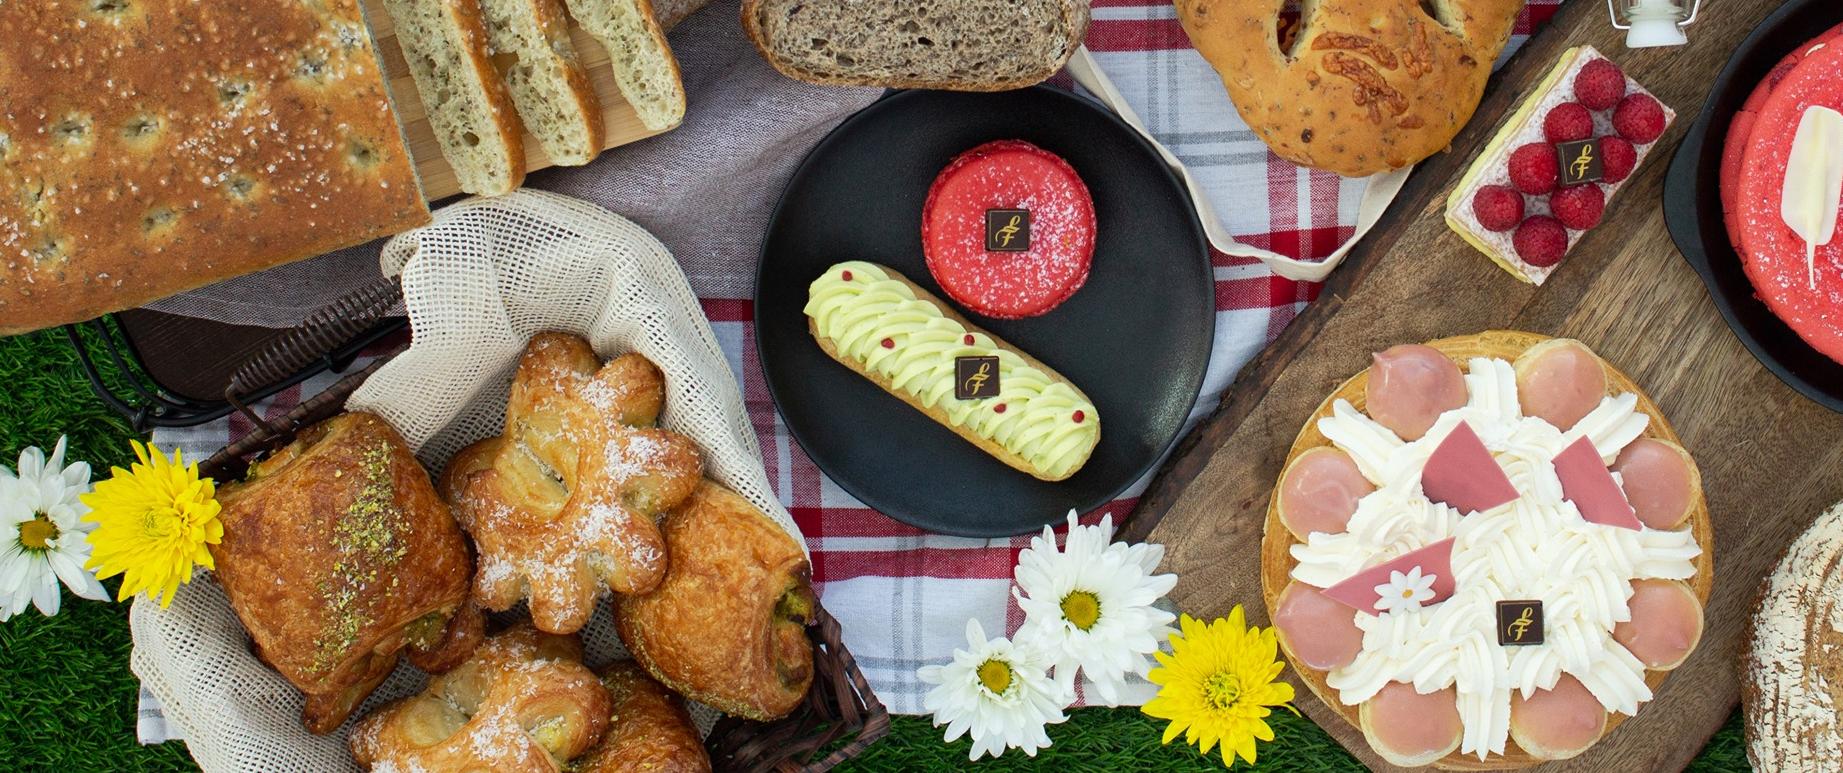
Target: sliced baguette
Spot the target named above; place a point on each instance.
(642, 61)
(444, 43)
(531, 49)
(962, 45)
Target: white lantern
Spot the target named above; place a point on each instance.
(1652, 23)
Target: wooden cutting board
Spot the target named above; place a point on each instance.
(1771, 461)
(621, 122)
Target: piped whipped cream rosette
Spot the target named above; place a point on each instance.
(1489, 547)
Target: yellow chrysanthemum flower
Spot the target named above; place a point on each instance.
(154, 522)
(1217, 684)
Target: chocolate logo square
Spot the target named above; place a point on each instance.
(1519, 623)
(1580, 161)
(1007, 230)
(975, 377)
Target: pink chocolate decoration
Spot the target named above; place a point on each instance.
(1461, 473)
(1319, 492)
(1359, 591)
(1587, 483)
(1657, 482)
(1319, 631)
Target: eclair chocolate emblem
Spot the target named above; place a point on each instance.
(975, 377)
(1007, 230)
(1580, 161)
(1519, 623)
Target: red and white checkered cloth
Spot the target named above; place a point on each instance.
(902, 594)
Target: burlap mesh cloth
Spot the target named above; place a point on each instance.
(478, 283)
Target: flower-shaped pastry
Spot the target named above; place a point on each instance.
(563, 503)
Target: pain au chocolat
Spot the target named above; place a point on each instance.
(1356, 87)
(337, 556)
(727, 626)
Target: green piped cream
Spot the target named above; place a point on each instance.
(1037, 422)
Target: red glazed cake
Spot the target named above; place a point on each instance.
(1804, 290)
(1008, 230)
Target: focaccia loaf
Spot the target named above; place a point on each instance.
(1360, 86)
(153, 146)
(873, 320)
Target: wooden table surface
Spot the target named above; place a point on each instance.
(1771, 461)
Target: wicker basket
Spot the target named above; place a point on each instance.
(840, 704)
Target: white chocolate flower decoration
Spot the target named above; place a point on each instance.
(1405, 592)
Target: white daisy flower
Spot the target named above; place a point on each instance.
(1405, 592)
(1090, 605)
(998, 691)
(43, 538)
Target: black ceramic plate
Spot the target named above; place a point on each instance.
(1692, 205)
(1136, 338)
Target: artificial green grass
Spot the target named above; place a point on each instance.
(67, 699)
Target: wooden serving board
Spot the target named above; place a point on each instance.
(622, 124)
(1771, 461)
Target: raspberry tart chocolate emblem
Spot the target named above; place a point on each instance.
(975, 377)
(1007, 230)
(1519, 623)
(1580, 162)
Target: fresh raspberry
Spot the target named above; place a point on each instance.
(1533, 168)
(1569, 121)
(1498, 207)
(1541, 241)
(1599, 84)
(1579, 206)
(1617, 157)
(1639, 118)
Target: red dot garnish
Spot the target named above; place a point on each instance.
(1000, 408)
(889, 343)
(1079, 417)
(846, 276)
(968, 339)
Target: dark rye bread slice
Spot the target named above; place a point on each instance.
(962, 45)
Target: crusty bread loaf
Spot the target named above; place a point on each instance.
(1362, 86)
(1788, 677)
(531, 49)
(469, 107)
(642, 60)
(154, 146)
(963, 45)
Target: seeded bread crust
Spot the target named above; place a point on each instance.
(154, 146)
(532, 51)
(469, 106)
(1361, 86)
(643, 63)
(959, 45)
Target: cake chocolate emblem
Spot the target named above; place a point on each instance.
(1519, 623)
(1007, 230)
(975, 377)
(1580, 161)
